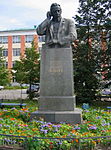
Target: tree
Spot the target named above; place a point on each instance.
(107, 67)
(93, 15)
(27, 70)
(85, 79)
(4, 73)
(92, 19)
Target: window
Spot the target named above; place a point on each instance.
(13, 63)
(16, 39)
(6, 64)
(5, 52)
(29, 38)
(3, 39)
(16, 51)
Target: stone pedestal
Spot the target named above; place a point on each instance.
(57, 100)
(72, 117)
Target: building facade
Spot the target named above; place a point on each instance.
(14, 43)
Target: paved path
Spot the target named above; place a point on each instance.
(13, 94)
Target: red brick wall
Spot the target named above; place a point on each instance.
(22, 44)
(36, 41)
(9, 52)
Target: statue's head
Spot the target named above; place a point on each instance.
(55, 10)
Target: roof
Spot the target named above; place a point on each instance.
(23, 29)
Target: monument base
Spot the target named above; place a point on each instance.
(56, 103)
(72, 117)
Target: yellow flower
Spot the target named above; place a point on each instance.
(85, 133)
(4, 129)
(11, 131)
(73, 131)
(99, 141)
(94, 142)
(77, 140)
(34, 129)
(23, 134)
(76, 133)
(64, 136)
(18, 131)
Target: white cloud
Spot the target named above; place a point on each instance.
(14, 21)
(27, 13)
(11, 23)
(68, 6)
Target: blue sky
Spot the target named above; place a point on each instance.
(17, 14)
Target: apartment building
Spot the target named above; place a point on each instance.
(14, 43)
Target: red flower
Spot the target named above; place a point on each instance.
(12, 118)
(51, 145)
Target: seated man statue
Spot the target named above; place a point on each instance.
(58, 31)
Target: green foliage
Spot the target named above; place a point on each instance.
(15, 87)
(27, 70)
(85, 78)
(4, 73)
(107, 59)
(94, 13)
(92, 20)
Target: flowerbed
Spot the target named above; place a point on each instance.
(96, 122)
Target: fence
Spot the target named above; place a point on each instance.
(9, 142)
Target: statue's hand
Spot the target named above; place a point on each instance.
(48, 15)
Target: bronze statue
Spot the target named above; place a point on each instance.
(60, 32)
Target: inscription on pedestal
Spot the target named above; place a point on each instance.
(55, 67)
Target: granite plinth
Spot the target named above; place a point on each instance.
(72, 117)
(56, 103)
